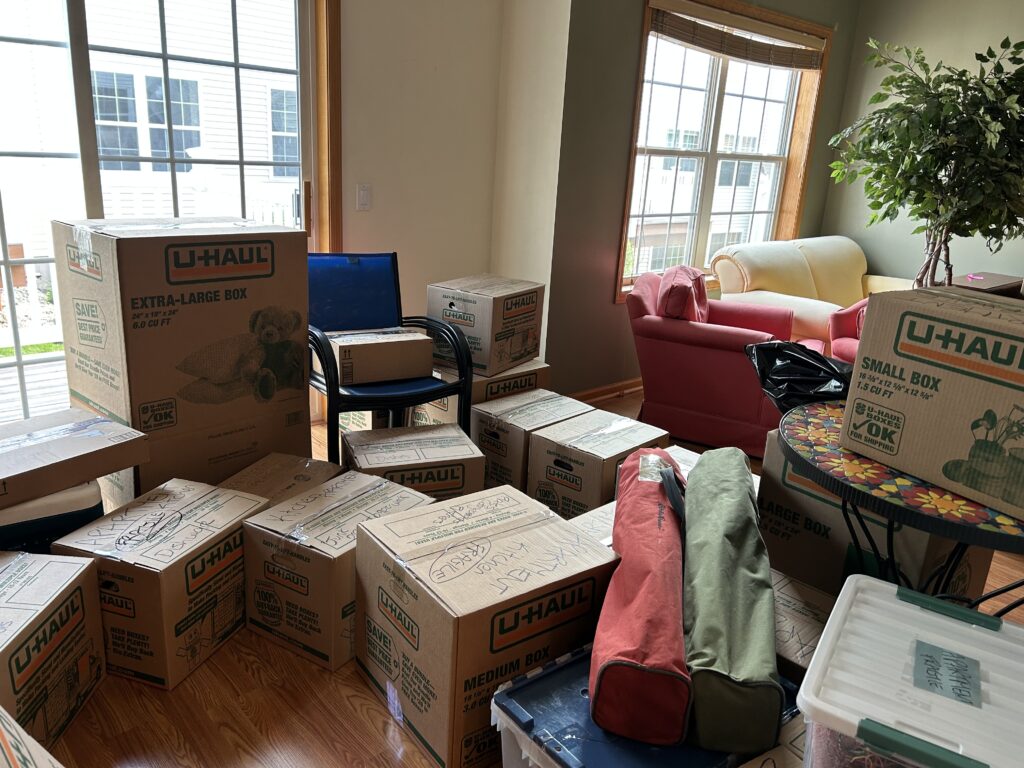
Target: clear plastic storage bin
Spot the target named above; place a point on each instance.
(904, 679)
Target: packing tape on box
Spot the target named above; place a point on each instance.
(78, 428)
(297, 533)
(505, 412)
(616, 426)
(394, 703)
(18, 558)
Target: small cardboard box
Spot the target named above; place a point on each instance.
(20, 749)
(386, 354)
(500, 316)
(50, 453)
(936, 391)
(279, 477)
(532, 374)
(501, 429)
(300, 573)
(171, 577)
(51, 640)
(192, 331)
(807, 538)
(457, 597)
(573, 463)
(440, 461)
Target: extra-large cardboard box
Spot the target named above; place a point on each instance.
(500, 316)
(192, 331)
(532, 374)
(457, 597)
(51, 640)
(501, 429)
(440, 460)
(300, 572)
(279, 477)
(937, 391)
(20, 749)
(386, 354)
(172, 587)
(573, 463)
(46, 454)
(803, 528)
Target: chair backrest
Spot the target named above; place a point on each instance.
(354, 291)
(838, 266)
(777, 266)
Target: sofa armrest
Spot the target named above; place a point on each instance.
(776, 321)
(705, 335)
(843, 324)
(882, 283)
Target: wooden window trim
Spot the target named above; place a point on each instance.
(327, 216)
(801, 143)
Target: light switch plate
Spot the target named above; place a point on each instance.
(364, 197)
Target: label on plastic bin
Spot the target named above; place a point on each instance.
(947, 673)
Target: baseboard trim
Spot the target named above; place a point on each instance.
(609, 391)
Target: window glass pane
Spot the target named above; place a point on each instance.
(36, 19)
(756, 83)
(640, 167)
(773, 128)
(203, 97)
(42, 93)
(768, 181)
(47, 386)
(726, 173)
(729, 123)
(687, 186)
(259, 118)
(778, 84)
(645, 115)
(140, 194)
(272, 199)
(266, 32)
(10, 394)
(697, 72)
(662, 120)
(737, 75)
(750, 125)
(209, 190)
(38, 310)
(691, 119)
(134, 25)
(210, 39)
(668, 61)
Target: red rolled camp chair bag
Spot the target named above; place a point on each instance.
(639, 684)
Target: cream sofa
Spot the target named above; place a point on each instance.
(814, 277)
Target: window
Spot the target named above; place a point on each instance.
(113, 98)
(713, 136)
(184, 111)
(284, 124)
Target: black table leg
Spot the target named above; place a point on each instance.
(861, 568)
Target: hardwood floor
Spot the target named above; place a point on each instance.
(255, 703)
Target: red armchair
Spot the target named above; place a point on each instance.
(844, 329)
(698, 383)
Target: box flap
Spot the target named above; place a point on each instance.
(28, 584)
(409, 446)
(532, 409)
(487, 547)
(190, 227)
(601, 434)
(278, 477)
(165, 525)
(488, 285)
(326, 517)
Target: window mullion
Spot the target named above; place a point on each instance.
(238, 105)
(168, 114)
(707, 190)
(81, 77)
(8, 281)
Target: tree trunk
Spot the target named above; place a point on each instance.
(936, 252)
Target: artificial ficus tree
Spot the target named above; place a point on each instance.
(947, 147)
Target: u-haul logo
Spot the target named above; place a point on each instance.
(976, 352)
(46, 639)
(522, 383)
(213, 262)
(446, 478)
(492, 444)
(201, 569)
(560, 476)
(517, 306)
(84, 263)
(289, 579)
(458, 317)
(398, 618)
(541, 614)
(113, 603)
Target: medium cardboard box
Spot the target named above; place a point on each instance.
(457, 597)
(51, 640)
(46, 454)
(171, 577)
(803, 528)
(300, 573)
(440, 461)
(20, 749)
(532, 374)
(359, 421)
(386, 354)
(500, 316)
(573, 463)
(790, 751)
(501, 429)
(192, 331)
(279, 477)
(936, 391)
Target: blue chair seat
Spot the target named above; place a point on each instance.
(427, 386)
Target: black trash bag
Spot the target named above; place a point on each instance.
(793, 375)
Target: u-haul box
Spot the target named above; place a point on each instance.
(532, 374)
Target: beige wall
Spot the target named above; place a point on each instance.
(531, 85)
(951, 30)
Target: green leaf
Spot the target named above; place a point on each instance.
(878, 98)
(981, 57)
(1005, 44)
(991, 54)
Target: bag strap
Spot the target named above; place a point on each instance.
(675, 495)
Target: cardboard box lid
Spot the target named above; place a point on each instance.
(488, 285)
(409, 446)
(601, 434)
(450, 374)
(49, 453)
(28, 585)
(487, 547)
(165, 525)
(279, 476)
(532, 409)
(374, 336)
(325, 519)
(123, 229)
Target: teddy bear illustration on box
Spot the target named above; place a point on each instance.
(257, 363)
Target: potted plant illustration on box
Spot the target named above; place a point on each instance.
(990, 467)
(948, 149)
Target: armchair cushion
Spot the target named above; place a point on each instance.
(775, 321)
(778, 266)
(682, 295)
(810, 316)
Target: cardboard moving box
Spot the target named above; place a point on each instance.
(300, 571)
(532, 374)
(171, 577)
(500, 316)
(51, 640)
(501, 429)
(192, 331)
(386, 354)
(937, 391)
(457, 597)
(573, 463)
(20, 749)
(802, 526)
(359, 421)
(279, 477)
(440, 461)
(46, 454)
